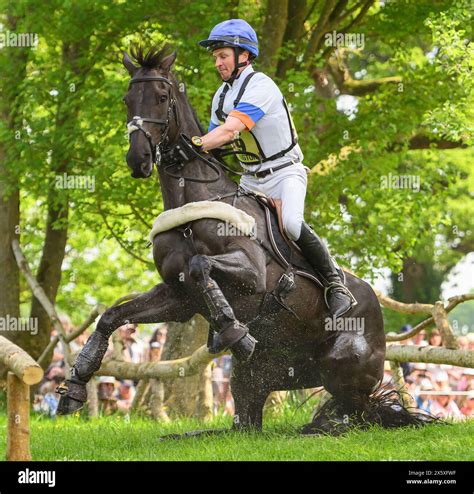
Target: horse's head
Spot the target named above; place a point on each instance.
(151, 106)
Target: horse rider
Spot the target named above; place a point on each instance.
(250, 111)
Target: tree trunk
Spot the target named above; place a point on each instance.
(233, 8)
(293, 37)
(9, 221)
(157, 404)
(417, 282)
(188, 396)
(48, 275)
(13, 73)
(92, 398)
(273, 31)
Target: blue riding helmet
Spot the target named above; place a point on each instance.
(234, 33)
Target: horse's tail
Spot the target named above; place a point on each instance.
(385, 408)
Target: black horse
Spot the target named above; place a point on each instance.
(233, 281)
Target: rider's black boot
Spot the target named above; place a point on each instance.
(337, 296)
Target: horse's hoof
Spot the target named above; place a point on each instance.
(73, 397)
(67, 406)
(244, 348)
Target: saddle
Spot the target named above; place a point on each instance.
(287, 252)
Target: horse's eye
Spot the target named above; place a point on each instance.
(163, 98)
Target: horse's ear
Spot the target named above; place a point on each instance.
(167, 62)
(128, 64)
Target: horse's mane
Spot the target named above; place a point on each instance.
(150, 58)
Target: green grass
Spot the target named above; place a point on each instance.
(113, 438)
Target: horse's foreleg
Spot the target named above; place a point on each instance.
(160, 304)
(249, 398)
(230, 332)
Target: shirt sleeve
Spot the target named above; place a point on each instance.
(256, 101)
(212, 125)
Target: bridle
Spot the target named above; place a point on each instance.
(183, 151)
(137, 122)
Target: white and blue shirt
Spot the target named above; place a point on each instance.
(268, 123)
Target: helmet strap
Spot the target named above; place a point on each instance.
(237, 66)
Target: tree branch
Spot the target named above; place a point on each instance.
(346, 14)
(452, 302)
(430, 355)
(317, 34)
(40, 295)
(359, 16)
(165, 369)
(421, 141)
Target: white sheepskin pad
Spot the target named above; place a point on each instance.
(203, 209)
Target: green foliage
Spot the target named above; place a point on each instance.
(370, 226)
(76, 71)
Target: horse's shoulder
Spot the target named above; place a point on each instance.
(356, 284)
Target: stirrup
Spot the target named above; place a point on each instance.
(338, 286)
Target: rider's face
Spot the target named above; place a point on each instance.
(224, 61)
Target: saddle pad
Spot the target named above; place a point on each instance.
(192, 211)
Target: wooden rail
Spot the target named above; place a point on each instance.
(23, 372)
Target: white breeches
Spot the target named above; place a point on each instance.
(289, 185)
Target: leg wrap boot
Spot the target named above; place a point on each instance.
(73, 391)
(231, 333)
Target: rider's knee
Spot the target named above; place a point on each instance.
(292, 227)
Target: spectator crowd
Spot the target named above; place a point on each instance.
(445, 391)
